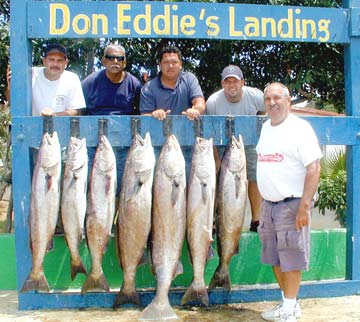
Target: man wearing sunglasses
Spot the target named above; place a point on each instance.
(112, 90)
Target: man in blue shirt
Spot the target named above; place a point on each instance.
(173, 91)
(112, 91)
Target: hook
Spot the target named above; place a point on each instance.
(48, 125)
(167, 126)
(102, 128)
(75, 127)
(230, 127)
(135, 126)
(198, 127)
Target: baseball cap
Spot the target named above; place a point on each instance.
(232, 71)
(55, 48)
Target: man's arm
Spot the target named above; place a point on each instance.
(312, 178)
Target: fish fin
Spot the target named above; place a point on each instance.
(179, 269)
(95, 284)
(77, 268)
(175, 191)
(158, 312)
(36, 284)
(220, 280)
(144, 258)
(211, 253)
(48, 180)
(237, 186)
(196, 294)
(50, 245)
(122, 298)
(204, 194)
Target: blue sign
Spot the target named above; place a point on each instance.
(120, 19)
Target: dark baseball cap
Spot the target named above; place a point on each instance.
(55, 48)
(232, 71)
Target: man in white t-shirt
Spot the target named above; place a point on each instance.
(55, 91)
(288, 173)
(237, 99)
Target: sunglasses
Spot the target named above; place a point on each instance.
(112, 58)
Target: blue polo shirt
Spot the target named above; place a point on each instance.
(104, 97)
(155, 95)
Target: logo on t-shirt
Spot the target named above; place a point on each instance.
(60, 102)
(276, 157)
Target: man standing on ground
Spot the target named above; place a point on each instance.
(237, 99)
(288, 172)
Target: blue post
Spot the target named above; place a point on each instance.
(352, 90)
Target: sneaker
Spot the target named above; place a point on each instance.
(287, 318)
(276, 312)
(254, 226)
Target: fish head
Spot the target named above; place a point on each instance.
(77, 155)
(143, 156)
(104, 157)
(235, 154)
(174, 163)
(50, 153)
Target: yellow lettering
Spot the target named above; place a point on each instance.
(252, 28)
(305, 24)
(175, 22)
(162, 20)
(123, 19)
(147, 22)
(213, 28)
(186, 24)
(286, 24)
(297, 25)
(64, 24)
(323, 27)
(264, 22)
(232, 31)
(86, 23)
(104, 22)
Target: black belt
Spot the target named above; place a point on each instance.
(284, 200)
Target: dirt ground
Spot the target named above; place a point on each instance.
(340, 309)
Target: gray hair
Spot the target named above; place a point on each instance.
(284, 88)
(114, 46)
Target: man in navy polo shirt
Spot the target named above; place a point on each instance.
(173, 91)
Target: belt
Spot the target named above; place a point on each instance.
(284, 200)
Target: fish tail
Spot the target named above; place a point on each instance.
(95, 284)
(158, 312)
(36, 284)
(220, 279)
(196, 294)
(123, 297)
(77, 268)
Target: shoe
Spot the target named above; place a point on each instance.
(275, 313)
(287, 318)
(254, 226)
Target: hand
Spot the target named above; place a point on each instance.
(47, 112)
(302, 219)
(160, 114)
(191, 113)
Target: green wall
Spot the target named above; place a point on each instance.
(327, 262)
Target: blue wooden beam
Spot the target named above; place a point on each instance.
(240, 294)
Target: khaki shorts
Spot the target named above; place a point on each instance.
(282, 244)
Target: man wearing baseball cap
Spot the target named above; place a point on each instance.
(235, 98)
(56, 91)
